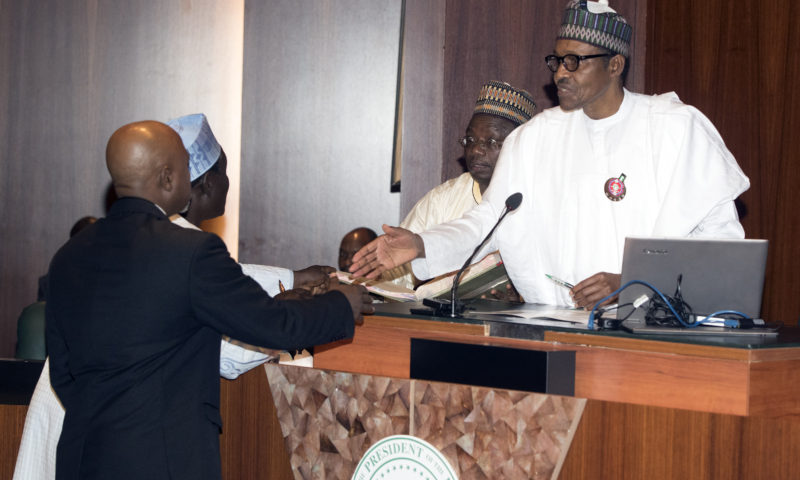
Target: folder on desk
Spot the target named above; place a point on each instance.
(480, 277)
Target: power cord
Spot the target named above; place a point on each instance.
(664, 311)
(612, 323)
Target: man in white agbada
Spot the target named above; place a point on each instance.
(207, 165)
(500, 108)
(603, 165)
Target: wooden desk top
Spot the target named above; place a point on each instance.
(737, 378)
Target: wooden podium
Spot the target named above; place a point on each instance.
(656, 407)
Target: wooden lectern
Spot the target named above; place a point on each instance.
(657, 408)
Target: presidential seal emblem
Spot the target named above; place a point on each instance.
(403, 457)
(615, 188)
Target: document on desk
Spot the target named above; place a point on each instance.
(536, 312)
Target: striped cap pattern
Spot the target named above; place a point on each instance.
(607, 29)
(502, 100)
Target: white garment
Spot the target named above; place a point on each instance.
(681, 181)
(441, 204)
(36, 459)
(270, 278)
(37, 449)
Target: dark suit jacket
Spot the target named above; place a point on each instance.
(136, 307)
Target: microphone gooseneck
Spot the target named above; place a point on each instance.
(512, 203)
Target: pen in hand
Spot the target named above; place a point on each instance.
(559, 282)
(280, 285)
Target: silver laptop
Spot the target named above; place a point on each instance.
(716, 274)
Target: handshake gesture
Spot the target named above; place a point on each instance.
(316, 280)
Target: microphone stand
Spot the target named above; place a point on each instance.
(456, 312)
(438, 306)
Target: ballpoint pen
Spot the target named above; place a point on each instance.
(560, 282)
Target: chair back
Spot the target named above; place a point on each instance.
(30, 333)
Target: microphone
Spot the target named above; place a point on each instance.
(512, 203)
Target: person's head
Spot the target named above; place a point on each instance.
(81, 224)
(589, 58)
(207, 166)
(147, 160)
(500, 108)
(351, 243)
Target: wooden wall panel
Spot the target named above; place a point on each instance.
(72, 72)
(622, 441)
(735, 61)
(320, 79)
(250, 424)
(422, 86)
(507, 40)
(12, 421)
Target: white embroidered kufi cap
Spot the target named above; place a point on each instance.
(199, 141)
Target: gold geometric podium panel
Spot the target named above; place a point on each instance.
(330, 419)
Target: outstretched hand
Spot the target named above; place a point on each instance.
(396, 247)
(591, 290)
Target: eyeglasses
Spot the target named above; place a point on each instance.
(490, 144)
(571, 62)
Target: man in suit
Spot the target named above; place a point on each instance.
(135, 312)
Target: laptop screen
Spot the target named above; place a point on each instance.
(716, 274)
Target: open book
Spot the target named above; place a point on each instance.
(478, 278)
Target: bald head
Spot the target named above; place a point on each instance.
(351, 243)
(147, 160)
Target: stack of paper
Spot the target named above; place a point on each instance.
(382, 288)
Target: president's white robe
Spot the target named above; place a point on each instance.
(680, 181)
(443, 203)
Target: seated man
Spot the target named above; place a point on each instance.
(500, 108)
(351, 243)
